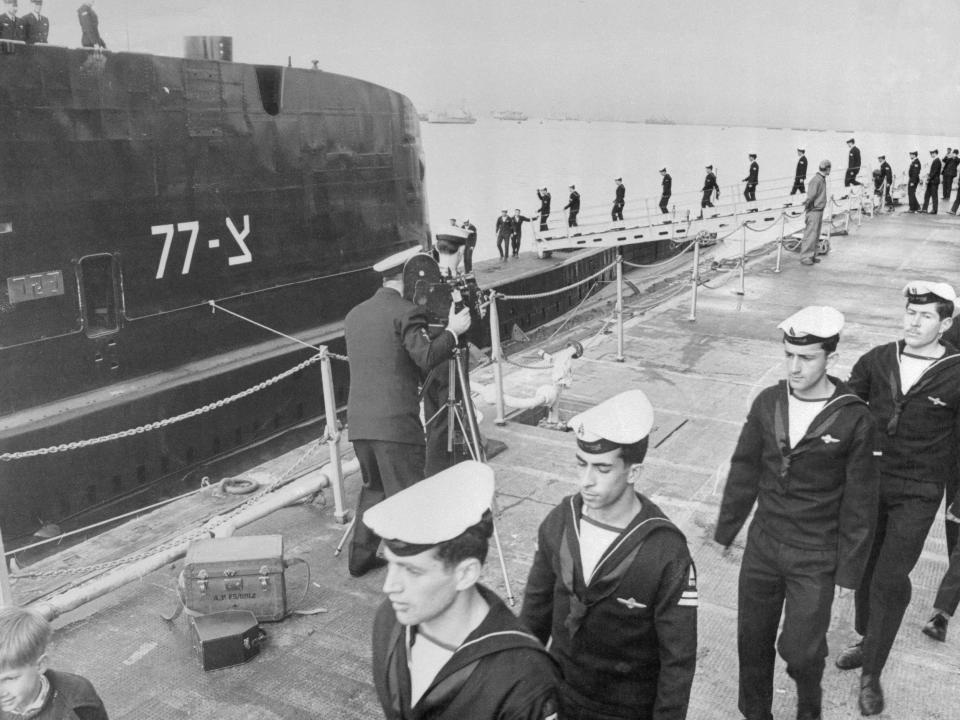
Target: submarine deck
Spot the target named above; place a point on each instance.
(700, 377)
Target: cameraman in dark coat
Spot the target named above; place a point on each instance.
(389, 348)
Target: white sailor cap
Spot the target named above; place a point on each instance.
(618, 179)
(434, 510)
(914, 153)
(624, 419)
(922, 292)
(395, 261)
(709, 167)
(812, 324)
(663, 169)
(453, 234)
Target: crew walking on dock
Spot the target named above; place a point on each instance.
(666, 191)
(504, 230)
(913, 182)
(853, 164)
(800, 176)
(618, 200)
(516, 230)
(933, 183)
(752, 178)
(709, 188)
(913, 389)
(884, 182)
(573, 205)
(805, 459)
(544, 196)
(951, 159)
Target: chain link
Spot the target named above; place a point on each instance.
(535, 296)
(77, 444)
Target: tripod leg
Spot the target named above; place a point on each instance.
(451, 400)
(346, 534)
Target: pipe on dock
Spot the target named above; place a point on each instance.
(294, 492)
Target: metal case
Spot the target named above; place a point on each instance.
(226, 638)
(237, 573)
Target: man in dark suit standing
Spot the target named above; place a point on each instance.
(801, 174)
(35, 26)
(853, 164)
(618, 200)
(573, 206)
(913, 181)
(544, 196)
(950, 162)
(469, 247)
(667, 191)
(389, 348)
(752, 178)
(504, 230)
(933, 181)
(886, 182)
(89, 26)
(9, 27)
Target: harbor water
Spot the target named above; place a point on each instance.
(475, 171)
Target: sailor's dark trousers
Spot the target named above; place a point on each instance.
(931, 194)
(750, 193)
(912, 195)
(798, 186)
(705, 201)
(907, 510)
(947, 186)
(948, 594)
(664, 199)
(850, 178)
(776, 578)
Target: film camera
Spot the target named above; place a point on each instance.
(425, 286)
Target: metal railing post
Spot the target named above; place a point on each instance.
(646, 204)
(619, 309)
(496, 354)
(783, 229)
(743, 259)
(332, 435)
(695, 280)
(6, 594)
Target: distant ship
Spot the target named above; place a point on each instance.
(461, 118)
(512, 115)
(661, 120)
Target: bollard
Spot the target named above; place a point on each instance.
(496, 354)
(332, 435)
(695, 279)
(783, 228)
(743, 259)
(6, 594)
(619, 308)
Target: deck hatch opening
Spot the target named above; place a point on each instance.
(98, 288)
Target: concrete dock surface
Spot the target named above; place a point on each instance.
(700, 377)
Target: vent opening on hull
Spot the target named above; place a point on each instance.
(99, 294)
(270, 80)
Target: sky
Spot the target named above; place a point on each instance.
(886, 65)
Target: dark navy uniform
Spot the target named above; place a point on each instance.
(950, 163)
(933, 182)
(913, 181)
(948, 593)
(709, 185)
(800, 176)
(886, 182)
(752, 178)
(574, 206)
(470, 245)
(853, 167)
(816, 508)
(917, 439)
(619, 201)
(89, 27)
(9, 30)
(666, 192)
(34, 28)
(516, 232)
(627, 641)
(500, 672)
(544, 196)
(389, 348)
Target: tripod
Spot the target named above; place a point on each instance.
(461, 414)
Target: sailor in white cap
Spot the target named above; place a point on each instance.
(853, 164)
(445, 646)
(932, 191)
(913, 389)
(751, 180)
(618, 200)
(805, 460)
(573, 205)
(544, 196)
(389, 347)
(913, 181)
(666, 191)
(709, 188)
(612, 583)
(800, 176)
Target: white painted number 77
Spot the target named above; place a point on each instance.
(193, 227)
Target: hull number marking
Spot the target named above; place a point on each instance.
(193, 228)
